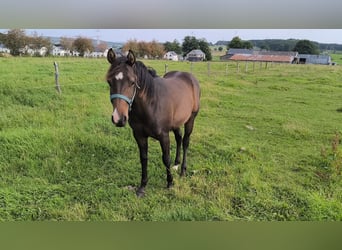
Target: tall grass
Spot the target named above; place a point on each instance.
(266, 146)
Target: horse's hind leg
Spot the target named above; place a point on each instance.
(178, 137)
(188, 126)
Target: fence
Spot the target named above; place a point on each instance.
(224, 68)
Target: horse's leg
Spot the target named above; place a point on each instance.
(143, 150)
(165, 146)
(178, 137)
(188, 126)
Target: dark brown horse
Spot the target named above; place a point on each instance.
(153, 106)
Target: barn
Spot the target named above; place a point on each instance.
(260, 56)
(314, 59)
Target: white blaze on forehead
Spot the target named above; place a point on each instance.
(119, 76)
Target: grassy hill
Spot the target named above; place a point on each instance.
(266, 146)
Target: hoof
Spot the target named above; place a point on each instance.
(140, 192)
(182, 174)
(169, 185)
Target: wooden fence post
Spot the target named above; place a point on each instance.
(166, 68)
(58, 87)
(246, 67)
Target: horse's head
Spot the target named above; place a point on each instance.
(122, 81)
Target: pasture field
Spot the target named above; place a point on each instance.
(266, 146)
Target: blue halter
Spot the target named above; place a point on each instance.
(125, 98)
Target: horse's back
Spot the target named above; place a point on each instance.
(185, 80)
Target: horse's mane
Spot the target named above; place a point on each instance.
(146, 76)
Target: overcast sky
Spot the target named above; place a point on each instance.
(211, 35)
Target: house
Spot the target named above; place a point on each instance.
(4, 50)
(171, 55)
(58, 50)
(195, 55)
(314, 59)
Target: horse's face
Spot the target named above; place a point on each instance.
(122, 82)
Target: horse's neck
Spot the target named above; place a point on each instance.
(146, 99)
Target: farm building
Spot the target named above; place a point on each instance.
(232, 52)
(260, 56)
(195, 55)
(314, 59)
(171, 55)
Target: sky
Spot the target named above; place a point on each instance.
(211, 35)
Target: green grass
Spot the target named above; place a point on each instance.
(266, 146)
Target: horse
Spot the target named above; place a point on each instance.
(153, 106)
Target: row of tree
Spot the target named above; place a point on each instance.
(156, 50)
(301, 46)
(16, 40)
(189, 43)
(18, 43)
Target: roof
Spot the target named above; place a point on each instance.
(262, 58)
(260, 55)
(171, 53)
(239, 51)
(196, 52)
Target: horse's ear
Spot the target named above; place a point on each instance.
(111, 56)
(131, 58)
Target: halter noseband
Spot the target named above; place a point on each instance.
(125, 98)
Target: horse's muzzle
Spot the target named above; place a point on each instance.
(118, 120)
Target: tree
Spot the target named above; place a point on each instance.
(157, 49)
(204, 46)
(237, 43)
(37, 42)
(306, 47)
(15, 40)
(101, 47)
(131, 44)
(83, 45)
(67, 43)
(189, 43)
(247, 45)
(142, 48)
(173, 46)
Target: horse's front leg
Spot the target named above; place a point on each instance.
(143, 150)
(165, 146)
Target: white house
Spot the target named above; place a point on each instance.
(4, 50)
(59, 51)
(171, 55)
